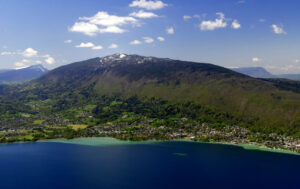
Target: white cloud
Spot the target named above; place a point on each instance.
(160, 39)
(170, 30)
(85, 45)
(102, 22)
(135, 42)
(288, 69)
(113, 46)
(111, 29)
(89, 45)
(236, 25)
(296, 60)
(256, 59)
(148, 40)
(212, 25)
(278, 30)
(22, 63)
(149, 5)
(68, 41)
(105, 19)
(98, 47)
(85, 28)
(8, 53)
(30, 52)
(186, 17)
(143, 14)
(231, 67)
(50, 60)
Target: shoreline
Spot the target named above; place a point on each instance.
(256, 147)
(259, 148)
(105, 141)
(110, 141)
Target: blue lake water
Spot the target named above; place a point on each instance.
(147, 165)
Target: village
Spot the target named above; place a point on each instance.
(201, 132)
(140, 128)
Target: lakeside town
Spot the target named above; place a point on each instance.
(133, 128)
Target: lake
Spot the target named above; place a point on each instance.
(108, 163)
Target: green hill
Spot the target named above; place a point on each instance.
(152, 85)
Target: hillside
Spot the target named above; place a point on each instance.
(177, 81)
(22, 75)
(107, 90)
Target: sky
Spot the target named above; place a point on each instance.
(229, 33)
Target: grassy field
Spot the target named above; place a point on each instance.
(77, 127)
(38, 122)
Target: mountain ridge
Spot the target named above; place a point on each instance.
(22, 75)
(262, 104)
(176, 80)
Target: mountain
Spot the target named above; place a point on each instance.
(257, 72)
(22, 75)
(289, 76)
(5, 70)
(202, 91)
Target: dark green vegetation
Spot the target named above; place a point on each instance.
(133, 92)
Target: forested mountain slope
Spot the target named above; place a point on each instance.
(261, 104)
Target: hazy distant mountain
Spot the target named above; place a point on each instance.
(290, 76)
(22, 75)
(257, 72)
(5, 70)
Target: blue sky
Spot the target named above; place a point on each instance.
(230, 33)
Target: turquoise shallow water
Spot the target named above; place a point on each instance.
(109, 163)
(107, 141)
(98, 141)
(253, 147)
